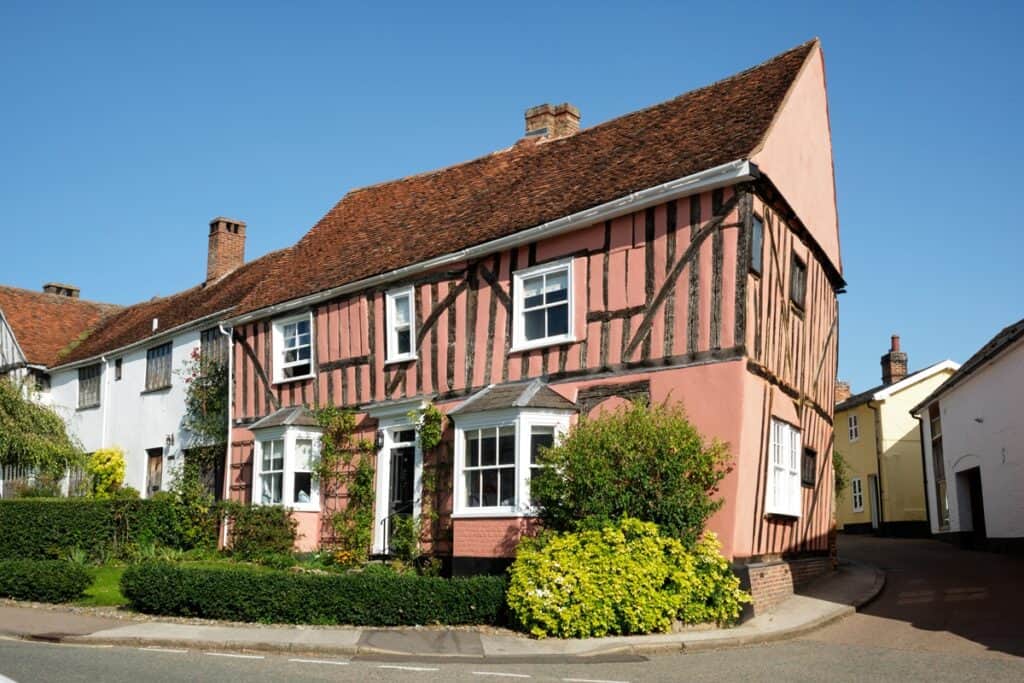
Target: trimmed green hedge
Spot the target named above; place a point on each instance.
(49, 528)
(43, 580)
(368, 598)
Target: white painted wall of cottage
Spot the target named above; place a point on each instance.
(135, 420)
(995, 395)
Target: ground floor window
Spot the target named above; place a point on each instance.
(783, 493)
(283, 464)
(496, 456)
(857, 493)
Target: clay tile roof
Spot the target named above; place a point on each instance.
(531, 394)
(299, 416)
(44, 324)
(135, 323)
(387, 226)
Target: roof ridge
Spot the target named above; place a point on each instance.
(58, 297)
(538, 142)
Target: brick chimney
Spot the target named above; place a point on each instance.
(59, 289)
(552, 120)
(894, 363)
(842, 391)
(227, 247)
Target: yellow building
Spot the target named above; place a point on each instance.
(881, 443)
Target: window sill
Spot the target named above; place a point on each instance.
(401, 359)
(155, 390)
(288, 380)
(492, 513)
(542, 343)
(782, 516)
(80, 409)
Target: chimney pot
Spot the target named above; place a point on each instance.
(226, 250)
(59, 289)
(895, 343)
(552, 120)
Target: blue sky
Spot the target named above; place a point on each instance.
(124, 129)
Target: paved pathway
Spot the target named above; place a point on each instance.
(937, 598)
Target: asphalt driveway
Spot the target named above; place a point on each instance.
(937, 598)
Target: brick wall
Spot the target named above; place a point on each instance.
(772, 582)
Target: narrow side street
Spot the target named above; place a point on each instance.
(937, 598)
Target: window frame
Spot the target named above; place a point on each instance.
(857, 494)
(289, 436)
(118, 368)
(853, 425)
(808, 476)
(787, 438)
(391, 328)
(278, 350)
(757, 247)
(798, 265)
(519, 341)
(98, 378)
(165, 367)
(523, 420)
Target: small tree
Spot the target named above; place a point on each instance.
(33, 435)
(649, 463)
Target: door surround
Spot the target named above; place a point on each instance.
(391, 419)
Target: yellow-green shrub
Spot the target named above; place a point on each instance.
(106, 469)
(623, 578)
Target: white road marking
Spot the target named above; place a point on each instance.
(591, 680)
(336, 662)
(228, 654)
(163, 649)
(499, 673)
(407, 668)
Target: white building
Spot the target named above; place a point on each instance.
(119, 380)
(972, 436)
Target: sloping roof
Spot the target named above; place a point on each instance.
(383, 227)
(298, 416)
(911, 378)
(995, 346)
(135, 323)
(532, 394)
(44, 323)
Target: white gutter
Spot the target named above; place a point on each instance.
(227, 454)
(709, 179)
(166, 334)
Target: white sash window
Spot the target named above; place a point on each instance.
(783, 495)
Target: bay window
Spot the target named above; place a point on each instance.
(496, 455)
(283, 468)
(783, 494)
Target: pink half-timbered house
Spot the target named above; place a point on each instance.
(685, 252)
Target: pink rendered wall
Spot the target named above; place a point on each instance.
(797, 155)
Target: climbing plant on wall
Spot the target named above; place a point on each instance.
(345, 470)
(33, 435)
(430, 424)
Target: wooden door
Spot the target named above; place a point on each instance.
(155, 470)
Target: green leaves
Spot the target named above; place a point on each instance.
(649, 463)
(260, 531)
(32, 435)
(622, 578)
(43, 580)
(368, 598)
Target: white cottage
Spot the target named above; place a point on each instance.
(972, 438)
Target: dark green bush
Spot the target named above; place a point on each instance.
(647, 463)
(258, 531)
(376, 598)
(51, 528)
(43, 580)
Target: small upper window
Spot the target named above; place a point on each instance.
(808, 470)
(293, 348)
(89, 386)
(158, 367)
(798, 282)
(401, 328)
(118, 362)
(213, 346)
(854, 427)
(543, 305)
(757, 245)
